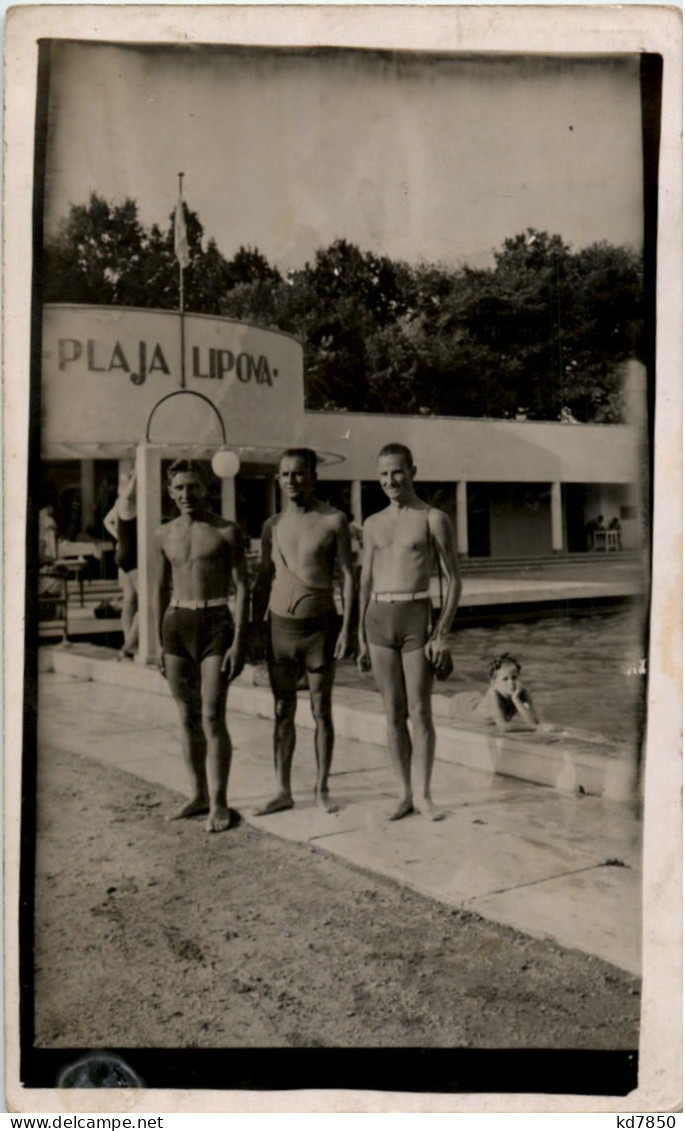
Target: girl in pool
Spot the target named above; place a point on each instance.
(506, 703)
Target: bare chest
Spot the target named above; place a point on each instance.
(402, 534)
(306, 537)
(197, 543)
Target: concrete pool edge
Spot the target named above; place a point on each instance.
(606, 771)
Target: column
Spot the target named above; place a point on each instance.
(87, 492)
(557, 520)
(356, 501)
(149, 509)
(228, 498)
(462, 520)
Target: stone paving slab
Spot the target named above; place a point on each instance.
(600, 910)
(518, 853)
(467, 857)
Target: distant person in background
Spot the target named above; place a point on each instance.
(73, 523)
(615, 525)
(591, 528)
(506, 703)
(47, 536)
(122, 523)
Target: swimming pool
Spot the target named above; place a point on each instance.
(581, 667)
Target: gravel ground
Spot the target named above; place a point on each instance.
(154, 934)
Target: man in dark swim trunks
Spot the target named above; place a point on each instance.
(395, 633)
(299, 551)
(200, 649)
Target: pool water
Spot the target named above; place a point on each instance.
(581, 669)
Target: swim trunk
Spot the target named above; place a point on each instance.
(297, 645)
(195, 634)
(126, 555)
(402, 625)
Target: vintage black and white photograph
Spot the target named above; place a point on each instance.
(339, 564)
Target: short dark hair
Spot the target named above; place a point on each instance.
(501, 661)
(397, 450)
(307, 455)
(186, 467)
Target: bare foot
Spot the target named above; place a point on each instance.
(402, 810)
(194, 808)
(282, 801)
(322, 798)
(218, 819)
(427, 808)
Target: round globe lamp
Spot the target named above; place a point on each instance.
(225, 463)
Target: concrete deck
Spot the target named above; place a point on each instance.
(572, 762)
(553, 864)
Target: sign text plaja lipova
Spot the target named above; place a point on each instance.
(207, 363)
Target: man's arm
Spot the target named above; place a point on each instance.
(233, 661)
(262, 589)
(443, 535)
(365, 593)
(161, 594)
(345, 562)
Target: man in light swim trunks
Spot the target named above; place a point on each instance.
(200, 649)
(395, 634)
(300, 548)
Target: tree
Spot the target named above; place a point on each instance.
(103, 255)
(543, 331)
(249, 266)
(97, 251)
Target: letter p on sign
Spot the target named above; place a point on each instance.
(70, 349)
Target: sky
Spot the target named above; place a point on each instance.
(419, 158)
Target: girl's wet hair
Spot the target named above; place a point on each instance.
(501, 661)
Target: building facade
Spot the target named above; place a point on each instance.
(116, 380)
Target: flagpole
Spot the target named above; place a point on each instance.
(181, 292)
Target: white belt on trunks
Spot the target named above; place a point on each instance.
(420, 595)
(212, 603)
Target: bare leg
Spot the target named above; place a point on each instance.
(184, 682)
(131, 633)
(418, 679)
(129, 610)
(219, 750)
(320, 690)
(285, 696)
(386, 665)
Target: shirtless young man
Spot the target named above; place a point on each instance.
(300, 547)
(200, 650)
(395, 619)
